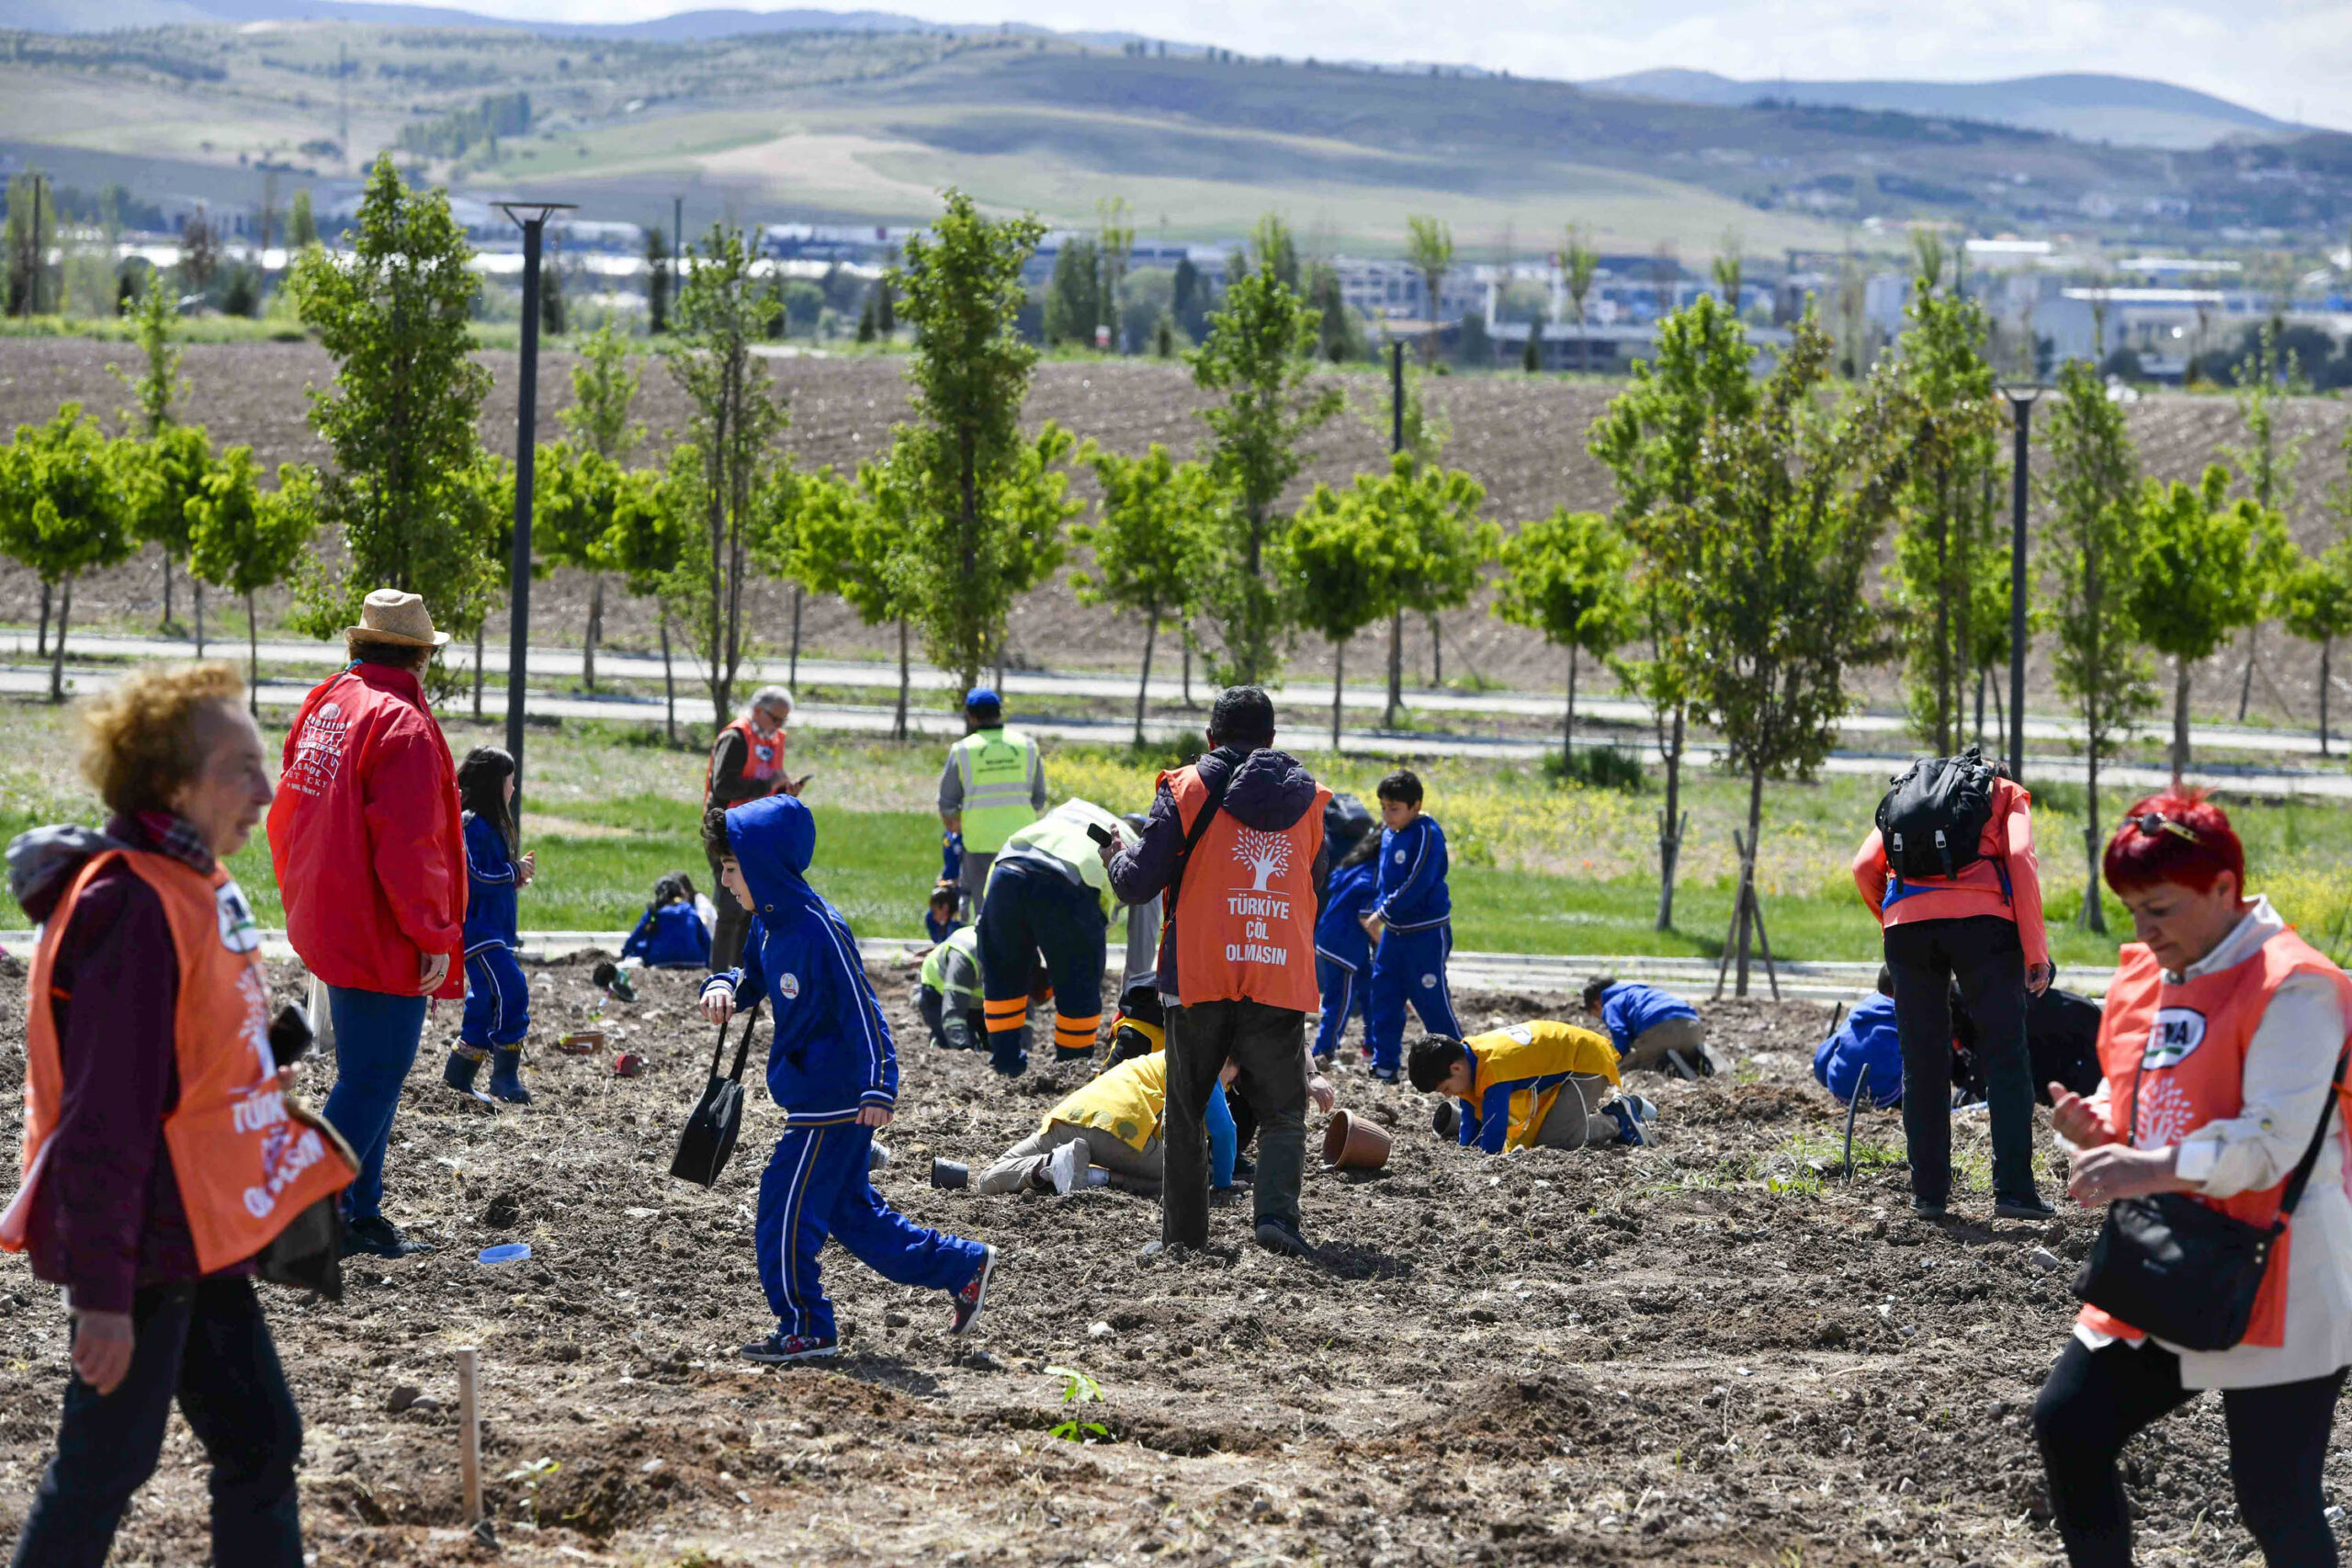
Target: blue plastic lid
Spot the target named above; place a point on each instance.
(509, 1252)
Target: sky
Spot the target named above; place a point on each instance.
(2288, 58)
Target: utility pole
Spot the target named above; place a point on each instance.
(533, 218)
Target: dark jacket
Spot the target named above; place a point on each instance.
(1270, 792)
(490, 887)
(106, 1217)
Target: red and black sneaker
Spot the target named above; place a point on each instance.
(778, 1348)
(969, 1300)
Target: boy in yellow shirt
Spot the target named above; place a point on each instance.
(1540, 1083)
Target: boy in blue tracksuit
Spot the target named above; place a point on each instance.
(833, 1067)
(1342, 951)
(1411, 925)
(1649, 1028)
(497, 997)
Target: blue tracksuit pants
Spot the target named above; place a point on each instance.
(498, 999)
(815, 1186)
(1407, 966)
(1342, 991)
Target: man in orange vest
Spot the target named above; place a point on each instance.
(1234, 842)
(746, 765)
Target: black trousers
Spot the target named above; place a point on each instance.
(1982, 956)
(734, 925)
(2096, 1399)
(1032, 910)
(206, 1345)
(1268, 1044)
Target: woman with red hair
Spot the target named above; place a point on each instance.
(2221, 1035)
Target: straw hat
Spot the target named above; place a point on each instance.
(390, 615)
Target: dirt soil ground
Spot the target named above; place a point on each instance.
(1522, 439)
(1701, 1353)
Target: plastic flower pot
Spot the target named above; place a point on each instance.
(627, 1064)
(581, 1041)
(946, 1173)
(1351, 1143)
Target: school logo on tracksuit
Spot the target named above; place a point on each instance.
(789, 986)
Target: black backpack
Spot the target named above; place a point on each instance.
(1933, 818)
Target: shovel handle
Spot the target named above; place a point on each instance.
(743, 1046)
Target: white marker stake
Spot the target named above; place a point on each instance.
(469, 1435)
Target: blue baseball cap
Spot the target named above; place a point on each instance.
(982, 699)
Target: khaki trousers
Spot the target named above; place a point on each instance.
(1131, 1170)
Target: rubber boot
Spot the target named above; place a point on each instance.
(506, 1076)
(460, 1070)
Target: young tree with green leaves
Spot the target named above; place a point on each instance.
(242, 540)
(1566, 578)
(657, 511)
(61, 512)
(852, 540)
(1450, 545)
(2317, 607)
(986, 507)
(1274, 250)
(1258, 361)
(604, 392)
(161, 475)
(1652, 440)
(1578, 265)
(2089, 549)
(492, 480)
(153, 390)
(1154, 542)
(1340, 561)
(301, 225)
(2267, 464)
(1772, 555)
(1428, 246)
(1074, 294)
(1936, 400)
(402, 418)
(2194, 579)
(723, 308)
(657, 281)
(1116, 241)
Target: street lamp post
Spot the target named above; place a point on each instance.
(2021, 401)
(533, 218)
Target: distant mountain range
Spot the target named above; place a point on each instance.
(2126, 111)
(682, 26)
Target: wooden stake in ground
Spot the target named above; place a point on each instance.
(469, 1434)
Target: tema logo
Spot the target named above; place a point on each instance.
(2175, 1033)
(239, 931)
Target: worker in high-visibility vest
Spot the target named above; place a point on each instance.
(993, 784)
(1050, 896)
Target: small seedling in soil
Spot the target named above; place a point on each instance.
(530, 1475)
(1078, 1392)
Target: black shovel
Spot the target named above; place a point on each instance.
(709, 1134)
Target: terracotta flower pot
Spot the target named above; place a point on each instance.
(1350, 1143)
(627, 1064)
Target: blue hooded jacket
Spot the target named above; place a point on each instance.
(490, 887)
(669, 936)
(1339, 929)
(832, 1054)
(1627, 1011)
(1866, 1038)
(1412, 894)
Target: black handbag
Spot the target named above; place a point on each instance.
(709, 1134)
(2181, 1271)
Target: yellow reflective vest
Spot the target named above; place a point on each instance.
(995, 767)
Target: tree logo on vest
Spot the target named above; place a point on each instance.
(239, 931)
(1264, 856)
(2177, 1033)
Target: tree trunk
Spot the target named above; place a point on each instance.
(1670, 837)
(1437, 652)
(2094, 916)
(793, 673)
(595, 631)
(253, 656)
(167, 590)
(196, 592)
(2179, 717)
(1184, 634)
(56, 649)
(477, 672)
(1944, 704)
(2327, 645)
(1568, 725)
(1746, 919)
(669, 684)
(1396, 668)
(898, 721)
(1339, 651)
(40, 641)
(1982, 679)
(1143, 682)
(2245, 681)
(2000, 720)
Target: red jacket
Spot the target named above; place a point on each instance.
(366, 837)
(2007, 840)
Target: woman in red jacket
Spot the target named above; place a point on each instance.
(1980, 927)
(369, 851)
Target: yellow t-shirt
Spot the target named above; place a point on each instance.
(1126, 1101)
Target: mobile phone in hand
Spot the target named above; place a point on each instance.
(1100, 835)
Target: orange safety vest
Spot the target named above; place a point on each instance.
(762, 760)
(1245, 914)
(247, 1163)
(2186, 1045)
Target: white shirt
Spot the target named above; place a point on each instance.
(2288, 1064)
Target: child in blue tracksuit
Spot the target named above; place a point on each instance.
(1342, 951)
(672, 933)
(833, 1067)
(1649, 1028)
(1411, 927)
(498, 998)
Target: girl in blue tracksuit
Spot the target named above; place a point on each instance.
(1342, 951)
(1411, 927)
(833, 1069)
(670, 934)
(498, 998)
